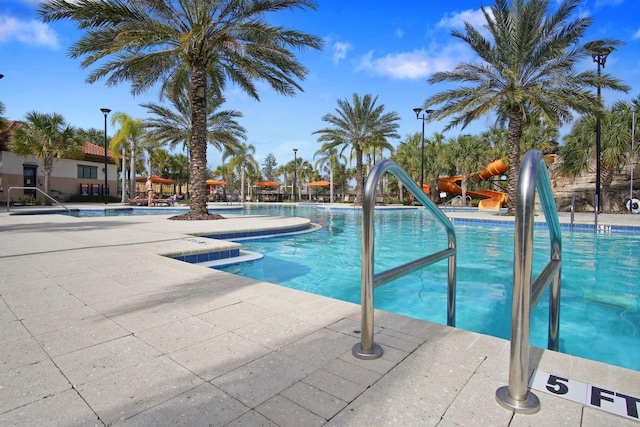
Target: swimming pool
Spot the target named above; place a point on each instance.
(600, 272)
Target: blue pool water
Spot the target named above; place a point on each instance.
(600, 273)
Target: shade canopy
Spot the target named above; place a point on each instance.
(155, 179)
(319, 184)
(215, 182)
(267, 184)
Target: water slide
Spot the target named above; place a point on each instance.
(491, 200)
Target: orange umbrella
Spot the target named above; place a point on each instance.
(267, 184)
(155, 179)
(215, 182)
(319, 184)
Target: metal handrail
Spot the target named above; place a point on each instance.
(458, 197)
(533, 174)
(366, 348)
(37, 189)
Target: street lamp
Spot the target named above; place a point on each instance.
(600, 58)
(633, 136)
(295, 173)
(105, 111)
(424, 112)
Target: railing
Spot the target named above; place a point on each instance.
(366, 348)
(459, 197)
(36, 189)
(533, 174)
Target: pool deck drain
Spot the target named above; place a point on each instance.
(99, 329)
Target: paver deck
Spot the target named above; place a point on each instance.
(98, 328)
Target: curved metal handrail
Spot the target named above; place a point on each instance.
(366, 348)
(533, 174)
(38, 190)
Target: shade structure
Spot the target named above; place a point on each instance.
(267, 184)
(319, 184)
(215, 182)
(155, 179)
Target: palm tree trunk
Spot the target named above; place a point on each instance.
(198, 205)
(132, 170)
(607, 178)
(330, 185)
(48, 167)
(359, 176)
(123, 197)
(513, 138)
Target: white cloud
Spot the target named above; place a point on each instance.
(399, 33)
(457, 19)
(340, 51)
(28, 32)
(636, 35)
(603, 3)
(416, 64)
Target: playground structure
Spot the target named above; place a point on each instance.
(491, 199)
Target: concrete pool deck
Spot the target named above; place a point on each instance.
(98, 328)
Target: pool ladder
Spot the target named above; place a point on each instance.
(366, 348)
(526, 292)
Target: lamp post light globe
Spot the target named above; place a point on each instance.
(106, 112)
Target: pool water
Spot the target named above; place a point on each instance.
(600, 295)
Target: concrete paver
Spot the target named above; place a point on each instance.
(99, 327)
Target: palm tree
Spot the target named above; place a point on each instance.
(579, 146)
(129, 136)
(173, 126)
(178, 169)
(204, 43)
(527, 66)
(241, 159)
(329, 159)
(356, 126)
(48, 137)
(469, 154)
(434, 163)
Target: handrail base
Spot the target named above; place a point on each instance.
(530, 405)
(375, 352)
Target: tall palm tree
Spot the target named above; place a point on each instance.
(48, 137)
(241, 159)
(355, 126)
(129, 136)
(579, 146)
(527, 66)
(172, 126)
(202, 42)
(329, 159)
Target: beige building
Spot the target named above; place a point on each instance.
(84, 176)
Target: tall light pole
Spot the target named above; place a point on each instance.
(106, 112)
(633, 136)
(295, 173)
(599, 58)
(424, 112)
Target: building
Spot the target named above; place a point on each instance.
(83, 176)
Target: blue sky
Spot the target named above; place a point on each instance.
(383, 48)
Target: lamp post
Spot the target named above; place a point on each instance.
(295, 173)
(633, 136)
(106, 112)
(599, 58)
(424, 112)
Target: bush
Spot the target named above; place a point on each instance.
(29, 200)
